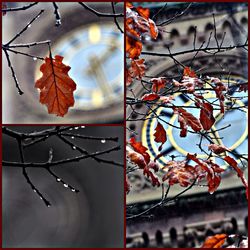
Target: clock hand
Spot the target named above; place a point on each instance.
(97, 72)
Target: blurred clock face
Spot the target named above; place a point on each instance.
(95, 55)
(234, 137)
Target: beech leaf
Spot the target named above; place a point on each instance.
(206, 116)
(160, 135)
(56, 87)
(234, 165)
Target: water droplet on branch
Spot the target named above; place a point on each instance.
(58, 179)
(65, 185)
(29, 25)
(34, 58)
(74, 147)
(103, 141)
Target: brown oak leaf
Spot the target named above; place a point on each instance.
(56, 87)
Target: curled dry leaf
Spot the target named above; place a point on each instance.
(150, 97)
(139, 148)
(56, 87)
(234, 165)
(144, 12)
(215, 241)
(158, 84)
(160, 135)
(137, 68)
(185, 119)
(219, 88)
(206, 115)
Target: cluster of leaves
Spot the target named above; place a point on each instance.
(139, 25)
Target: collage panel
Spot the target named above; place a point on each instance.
(63, 63)
(187, 124)
(62, 187)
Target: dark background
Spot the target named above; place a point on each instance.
(91, 218)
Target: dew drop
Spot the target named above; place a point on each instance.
(34, 190)
(71, 129)
(73, 190)
(48, 205)
(34, 58)
(82, 126)
(103, 141)
(29, 25)
(66, 185)
(74, 147)
(76, 128)
(72, 137)
(58, 179)
(41, 198)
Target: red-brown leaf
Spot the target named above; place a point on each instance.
(153, 29)
(188, 72)
(215, 241)
(136, 158)
(234, 165)
(158, 83)
(179, 172)
(150, 97)
(137, 69)
(133, 44)
(206, 116)
(190, 120)
(218, 149)
(138, 147)
(144, 12)
(160, 135)
(56, 87)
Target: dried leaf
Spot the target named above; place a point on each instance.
(139, 148)
(218, 149)
(160, 135)
(144, 12)
(215, 241)
(56, 87)
(206, 116)
(186, 118)
(234, 165)
(133, 44)
(179, 172)
(137, 68)
(150, 97)
(188, 72)
(158, 84)
(153, 29)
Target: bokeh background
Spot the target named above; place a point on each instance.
(94, 217)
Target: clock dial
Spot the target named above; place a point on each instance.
(234, 137)
(95, 55)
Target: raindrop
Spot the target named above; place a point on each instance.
(34, 190)
(73, 190)
(34, 58)
(58, 179)
(71, 129)
(74, 147)
(65, 185)
(48, 205)
(82, 126)
(103, 141)
(41, 198)
(76, 127)
(72, 137)
(29, 25)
